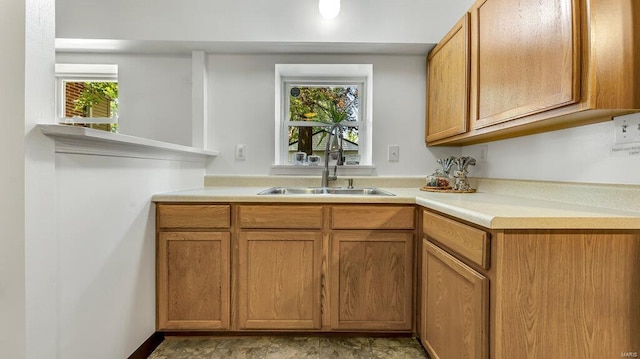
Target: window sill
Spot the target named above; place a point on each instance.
(360, 170)
(82, 140)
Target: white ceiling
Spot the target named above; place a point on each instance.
(254, 26)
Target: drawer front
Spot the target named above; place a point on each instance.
(277, 216)
(373, 217)
(193, 216)
(467, 241)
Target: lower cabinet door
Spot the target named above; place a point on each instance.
(193, 280)
(279, 280)
(371, 280)
(455, 302)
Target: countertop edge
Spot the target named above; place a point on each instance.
(287, 199)
(462, 207)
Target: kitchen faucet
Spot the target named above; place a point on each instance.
(336, 147)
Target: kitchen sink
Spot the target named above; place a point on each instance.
(368, 191)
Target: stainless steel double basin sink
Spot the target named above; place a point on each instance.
(368, 191)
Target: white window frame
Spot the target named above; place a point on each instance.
(318, 74)
(81, 73)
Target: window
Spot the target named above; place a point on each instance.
(313, 107)
(87, 95)
(311, 98)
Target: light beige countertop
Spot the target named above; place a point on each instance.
(498, 211)
(490, 210)
(250, 194)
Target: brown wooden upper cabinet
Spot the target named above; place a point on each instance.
(526, 58)
(538, 66)
(448, 85)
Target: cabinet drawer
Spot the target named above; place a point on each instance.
(467, 241)
(309, 217)
(372, 217)
(193, 216)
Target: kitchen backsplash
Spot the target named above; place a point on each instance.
(623, 197)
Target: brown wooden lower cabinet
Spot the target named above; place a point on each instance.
(566, 293)
(193, 283)
(552, 293)
(372, 280)
(255, 267)
(279, 280)
(455, 302)
(482, 294)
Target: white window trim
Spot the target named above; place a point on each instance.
(322, 72)
(81, 73)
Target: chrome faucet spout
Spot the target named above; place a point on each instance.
(330, 148)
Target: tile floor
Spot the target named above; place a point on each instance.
(289, 347)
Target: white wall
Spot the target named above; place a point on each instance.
(106, 250)
(12, 186)
(403, 21)
(581, 154)
(241, 111)
(154, 99)
(105, 242)
(77, 258)
(40, 284)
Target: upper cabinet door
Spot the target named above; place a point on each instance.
(448, 84)
(526, 58)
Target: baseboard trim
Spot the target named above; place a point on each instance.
(149, 345)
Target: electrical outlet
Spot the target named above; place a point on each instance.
(394, 153)
(484, 154)
(627, 128)
(241, 152)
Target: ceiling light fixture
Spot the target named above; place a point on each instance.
(329, 9)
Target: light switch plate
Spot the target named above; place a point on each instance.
(394, 153)
(627, 128)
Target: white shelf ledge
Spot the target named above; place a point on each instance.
(239, 47)
(87, 141)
